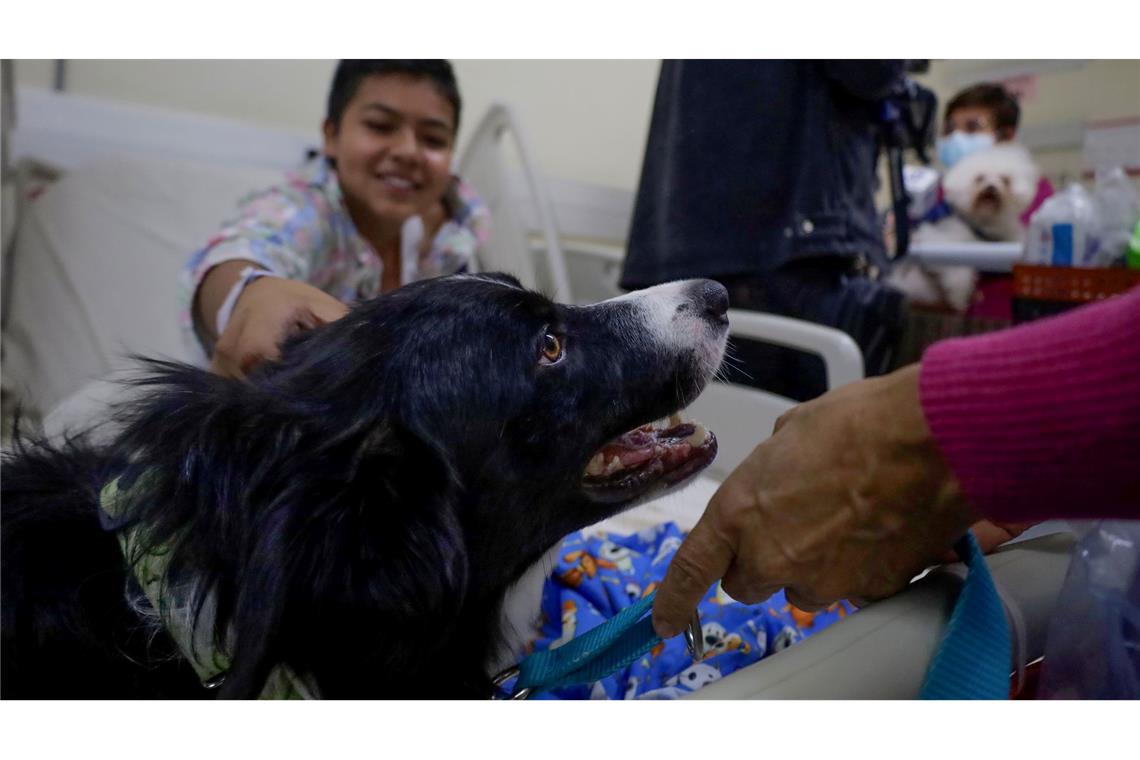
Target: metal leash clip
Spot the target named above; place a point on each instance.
(695, 638)
(503, 677)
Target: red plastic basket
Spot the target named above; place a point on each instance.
(1073, 284)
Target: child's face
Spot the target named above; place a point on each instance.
(393, 148)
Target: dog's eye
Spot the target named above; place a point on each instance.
(551, 350)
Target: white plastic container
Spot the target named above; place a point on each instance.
(922, 184)
(1065, 231)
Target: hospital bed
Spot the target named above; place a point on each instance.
(91, 277)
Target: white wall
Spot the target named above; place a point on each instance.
(287, 94)
(586, 120)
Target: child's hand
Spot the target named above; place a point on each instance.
(269, 310)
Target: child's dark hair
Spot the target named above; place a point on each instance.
(350, 72)
(993, 97)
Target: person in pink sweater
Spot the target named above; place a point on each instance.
(859, 489)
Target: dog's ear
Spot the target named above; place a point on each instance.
(365, 546)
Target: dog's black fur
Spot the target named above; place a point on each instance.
(356, 510)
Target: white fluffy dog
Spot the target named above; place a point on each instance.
(988, 192)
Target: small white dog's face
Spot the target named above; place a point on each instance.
(990, 190)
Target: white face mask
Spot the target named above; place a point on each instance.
(957, 145)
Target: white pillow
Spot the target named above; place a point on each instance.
(94, 271)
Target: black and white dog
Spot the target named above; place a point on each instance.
(369, 515)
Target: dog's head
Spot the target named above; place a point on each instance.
(991, 189)
(537, 413)
(379, 488)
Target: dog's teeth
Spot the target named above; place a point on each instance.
(613, 466)
(597, 465)
(674, 419)
(698, 436)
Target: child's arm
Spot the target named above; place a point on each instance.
(268, 310)
(279, 232)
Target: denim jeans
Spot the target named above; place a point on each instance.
(829, 292)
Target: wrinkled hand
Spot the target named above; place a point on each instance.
(269, 310)
(849, 499)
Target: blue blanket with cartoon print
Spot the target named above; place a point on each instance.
(596, 577)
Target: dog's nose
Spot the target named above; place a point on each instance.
(713, 300)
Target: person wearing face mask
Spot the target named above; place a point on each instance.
(978, 118)
(378, 209)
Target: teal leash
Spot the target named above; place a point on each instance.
(599, 652)
(973, 658)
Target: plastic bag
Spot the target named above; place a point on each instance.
(1132, 258)
(1092, 649)
(922, 184)
(1065, 231)
(1119, 207)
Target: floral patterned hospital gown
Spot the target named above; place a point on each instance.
(301, 229)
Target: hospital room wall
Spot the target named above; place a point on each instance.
(586, 120)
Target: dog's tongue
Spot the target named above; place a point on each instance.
(663, 453)
(642, 444)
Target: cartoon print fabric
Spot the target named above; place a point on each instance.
(598, 576)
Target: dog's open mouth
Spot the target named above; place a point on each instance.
(663, 452)
(989, 199)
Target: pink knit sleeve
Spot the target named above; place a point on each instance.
(1043, 420)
